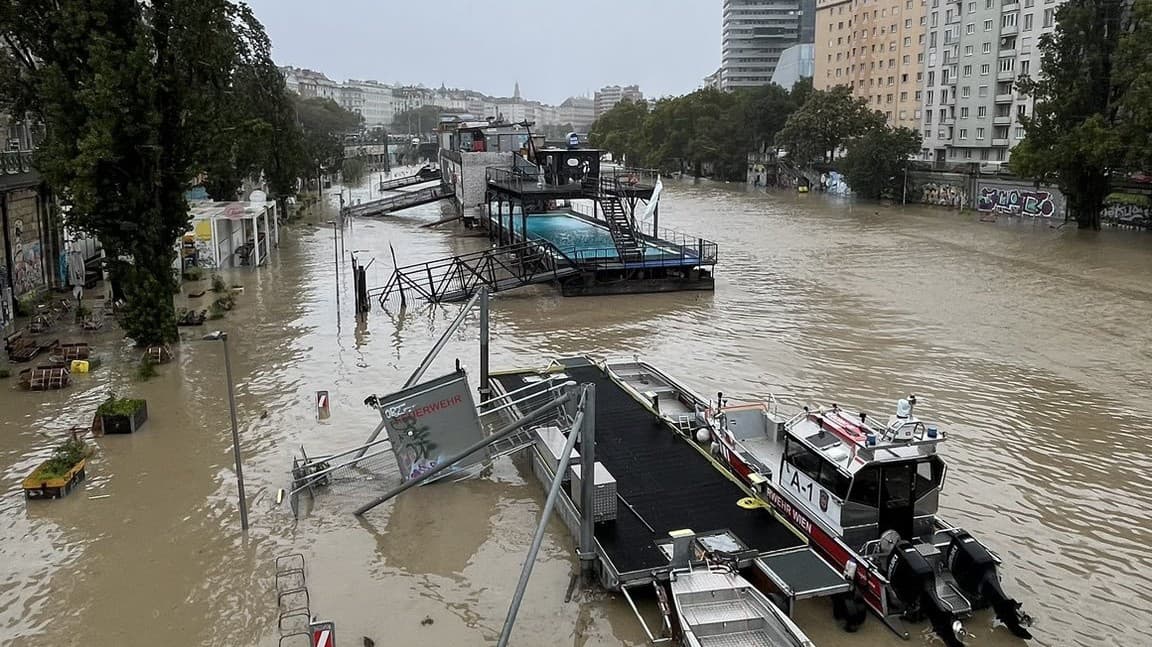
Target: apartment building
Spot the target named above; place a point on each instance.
(875, 47)
(755, 33)
(609, 96)
(976, 51)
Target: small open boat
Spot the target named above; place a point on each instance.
(717, 606)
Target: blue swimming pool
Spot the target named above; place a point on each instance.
(571, 234)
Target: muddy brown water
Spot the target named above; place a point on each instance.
(1030, 345)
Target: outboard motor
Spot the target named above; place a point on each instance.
(974, 568)
(913, 582)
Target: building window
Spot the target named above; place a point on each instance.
(1008, 20)
(903, 97)
(985, 69)
(988, 25)
(916, 113)
(1027, 22)
(970, 28)
(931, 81)
(966, 91)
(1007, 64)
(967, 70)
(1048, 17)
(907, 41)
(921, 39)
(987, 49)
(979, 133)
(967, 50)
(1021, 111)
(982, 91)
(988, 4)
(1019, 132)
(1025, 66)
(963, 133)
(967, 153)
(982, 112)
(1029, 3)
(918, 96)
(891, 80)
(964, 112)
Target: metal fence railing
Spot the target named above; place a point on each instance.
(13, 162)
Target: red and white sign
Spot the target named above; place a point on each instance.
(322, 405)
(323, 637)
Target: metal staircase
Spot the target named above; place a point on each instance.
(457, 278)
(628, 245)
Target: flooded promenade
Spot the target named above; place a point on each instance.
(1031, 346)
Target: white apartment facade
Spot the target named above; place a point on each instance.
(754, 35)
(976, 51)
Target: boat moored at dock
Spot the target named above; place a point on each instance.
(865, 494)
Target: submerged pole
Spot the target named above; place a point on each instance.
(500, 434)
(485, 388)
(587, 545)
(538, 538)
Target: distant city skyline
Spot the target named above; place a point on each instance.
(464, 45)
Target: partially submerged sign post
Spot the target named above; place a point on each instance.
(430, 422)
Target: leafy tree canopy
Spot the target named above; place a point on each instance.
(877, 160)
(1093, 109)
(828, 121)
(130, 93)
(706, 130)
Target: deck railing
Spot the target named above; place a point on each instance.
(13, 162)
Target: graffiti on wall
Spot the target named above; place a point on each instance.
(1016, 201)
(1127, 215)
(943, 194)
(24, 237)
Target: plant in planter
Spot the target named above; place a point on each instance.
(56, 476)
(146, 370)
(193, 274)
(122, 415)
(218, 284)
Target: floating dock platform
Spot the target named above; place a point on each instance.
(664, 484)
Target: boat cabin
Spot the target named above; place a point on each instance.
(855, 476)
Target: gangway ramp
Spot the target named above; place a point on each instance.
(397, 183)
(400, 201)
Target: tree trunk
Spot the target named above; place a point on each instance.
(1088, 200)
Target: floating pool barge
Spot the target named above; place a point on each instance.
(560, 220)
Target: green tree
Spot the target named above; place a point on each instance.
(353, 171)
(127, 91)
(324, 125)
(417, 121)
(877, 160)
(827, 122)
(1090, 121)
(618, 131)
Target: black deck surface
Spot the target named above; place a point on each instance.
(668, 482)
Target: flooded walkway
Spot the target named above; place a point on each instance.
(1031, 345)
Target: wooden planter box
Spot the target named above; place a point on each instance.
(124, 424)
(35, 488)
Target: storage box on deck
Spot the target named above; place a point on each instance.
(603, 494)
(550, 441)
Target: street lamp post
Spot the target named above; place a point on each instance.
(336, 260)
(222, 336)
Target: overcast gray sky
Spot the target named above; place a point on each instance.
(554, 49)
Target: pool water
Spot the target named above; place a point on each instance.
(571, 234)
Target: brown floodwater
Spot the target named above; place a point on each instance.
(1030, 344)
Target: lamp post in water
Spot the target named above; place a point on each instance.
(222, 336)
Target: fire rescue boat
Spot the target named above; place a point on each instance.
(865, 492)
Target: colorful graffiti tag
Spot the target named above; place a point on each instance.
(1127, 215)
(943, 195)
(1018, 202)
(24, 238)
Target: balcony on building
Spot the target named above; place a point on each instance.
(1009, 75)
(1007, 30)
(1002, 120)
(1009, 7)
(1000, 142)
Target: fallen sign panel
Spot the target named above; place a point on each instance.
(431, 422)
